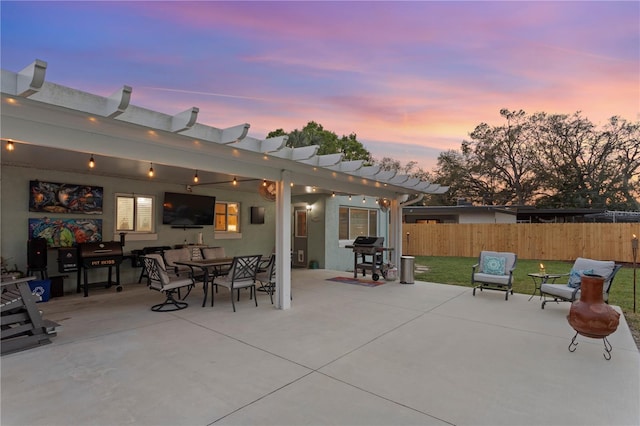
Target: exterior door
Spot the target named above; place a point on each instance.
(300, 237)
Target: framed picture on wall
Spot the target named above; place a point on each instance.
(52, 197)
(66, 232)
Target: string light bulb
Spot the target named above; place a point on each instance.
(10, 146)
(195, 177)
(349, 197)
(235, 181)
(333, 194)
(151, 172)
(363, 200)
(264, 182)
(92, 162)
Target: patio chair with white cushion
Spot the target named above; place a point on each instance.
(571, 290)
(165, 283)
(177, 255)
(216, 253)
(242, 274)
(494, 271)
(267, 277)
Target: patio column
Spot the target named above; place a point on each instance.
(283, 241)
(395, 230)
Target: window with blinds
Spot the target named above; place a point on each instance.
(134, 213)
(355, 222)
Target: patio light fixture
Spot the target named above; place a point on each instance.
(92, 162)
(195, 177)
(151, 172)
(10, 146)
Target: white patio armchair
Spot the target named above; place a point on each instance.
(571, 290)
(494, 271)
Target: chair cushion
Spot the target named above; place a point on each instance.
(176, 255)
(604, 268)
(226, 281)
(213, 253)
(491, 278)
(560, 290)
(575, 277)
(494, 265)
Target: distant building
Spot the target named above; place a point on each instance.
(466, 213)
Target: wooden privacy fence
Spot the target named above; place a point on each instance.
(545, 241)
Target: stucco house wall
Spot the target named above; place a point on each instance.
(337, 256)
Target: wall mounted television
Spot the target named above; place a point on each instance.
(187, 210)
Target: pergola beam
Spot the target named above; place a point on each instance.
(184, 120)
(31, 78)
(118, 102)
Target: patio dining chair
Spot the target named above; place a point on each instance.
(177, 255)
(159, 279)
(216, 253)
(242, 274)
(494, 271)
(570, 291)
(267, 277)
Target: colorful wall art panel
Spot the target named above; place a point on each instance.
(51, 197)
(66, 232)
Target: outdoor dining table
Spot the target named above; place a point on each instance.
(211, 268)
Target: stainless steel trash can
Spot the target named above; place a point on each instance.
(407, 264)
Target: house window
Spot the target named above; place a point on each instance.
(227, 217)
(134, 213)
(357, 222)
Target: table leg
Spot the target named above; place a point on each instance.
(535, 287)
(205, 281)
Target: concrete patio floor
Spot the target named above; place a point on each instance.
(423, 354)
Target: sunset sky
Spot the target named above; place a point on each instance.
(411, 79)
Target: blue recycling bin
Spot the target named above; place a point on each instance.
(41, 288)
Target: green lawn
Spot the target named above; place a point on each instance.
(457, 271)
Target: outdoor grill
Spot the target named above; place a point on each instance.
(100, 255)
(367, 255)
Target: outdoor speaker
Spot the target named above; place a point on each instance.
(37, 253)
(257, 215)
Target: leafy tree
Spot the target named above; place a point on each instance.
(503, 157)
(585, 167)
(328, 142)
(547, 160)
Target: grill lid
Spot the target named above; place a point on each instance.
(102, 249)
(363, 241)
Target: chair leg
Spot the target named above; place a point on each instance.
(233, 303)
(186, 295)
(255, 297)
(170, 304)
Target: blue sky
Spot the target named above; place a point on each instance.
(411, 79)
